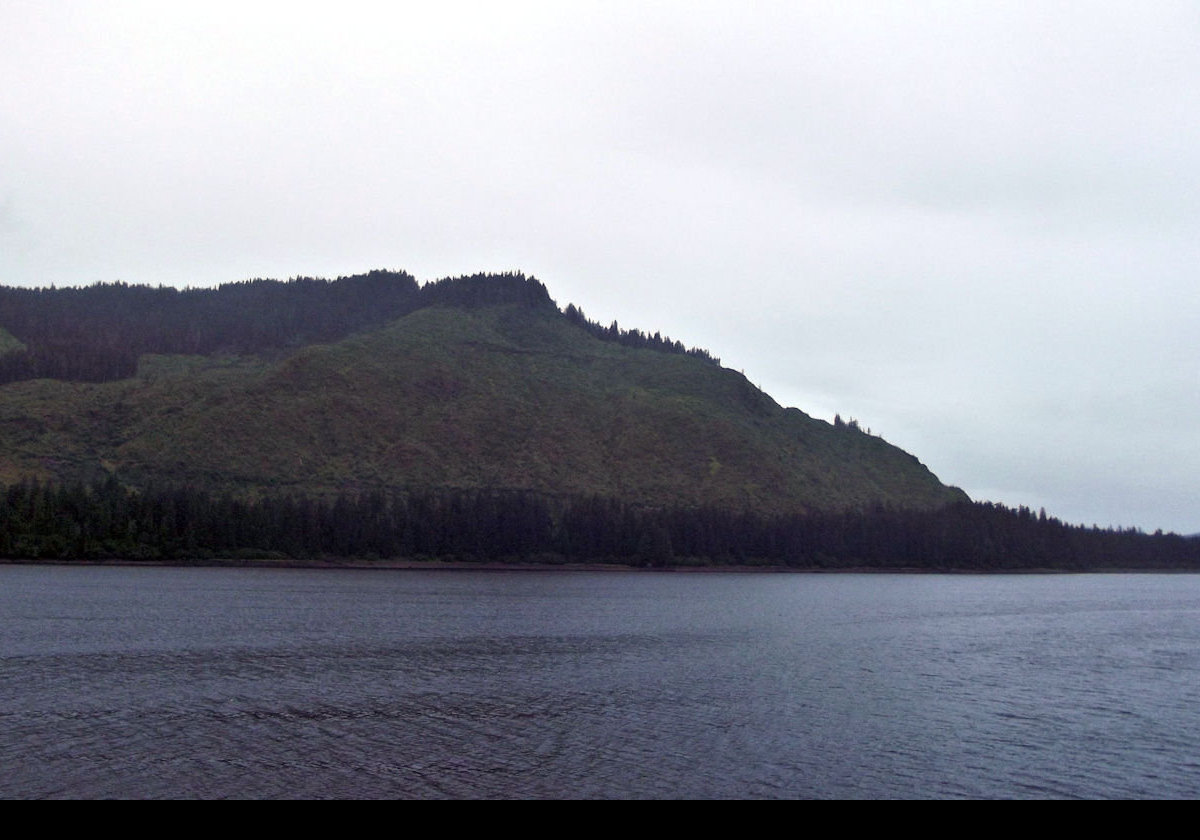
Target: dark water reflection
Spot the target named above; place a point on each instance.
(289, 683)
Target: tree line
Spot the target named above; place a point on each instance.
(106, 520)
(635, 337)
(97, 333)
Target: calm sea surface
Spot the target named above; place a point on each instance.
(161, 682)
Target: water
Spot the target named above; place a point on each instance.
(162, 682)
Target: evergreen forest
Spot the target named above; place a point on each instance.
(468, 419)
(105, 521)
(97, 333)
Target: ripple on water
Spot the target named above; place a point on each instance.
(253, 683)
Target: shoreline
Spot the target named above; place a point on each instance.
(467, 566)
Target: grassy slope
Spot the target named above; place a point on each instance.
(9, 343)
(498, 397)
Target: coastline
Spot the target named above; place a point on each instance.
(467, 566)
(410, 565)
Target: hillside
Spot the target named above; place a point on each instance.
(465, 384)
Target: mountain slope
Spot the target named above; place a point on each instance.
(493, 394)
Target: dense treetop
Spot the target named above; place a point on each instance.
(107, 521)
(97, 333)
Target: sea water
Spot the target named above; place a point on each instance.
(207, 682)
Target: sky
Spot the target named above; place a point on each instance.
(973, 227)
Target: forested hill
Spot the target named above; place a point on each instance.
(97, 333)
(469, 418)
(373, 383)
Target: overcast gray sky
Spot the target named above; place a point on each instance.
(971, 226)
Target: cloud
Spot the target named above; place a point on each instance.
(969, 225)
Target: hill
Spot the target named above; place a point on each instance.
(371, 382)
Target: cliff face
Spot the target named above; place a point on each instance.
(471, 388)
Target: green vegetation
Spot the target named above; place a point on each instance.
(97, 333)
(493, 389)
(468, 419)
(107, 521)
(9, 343)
